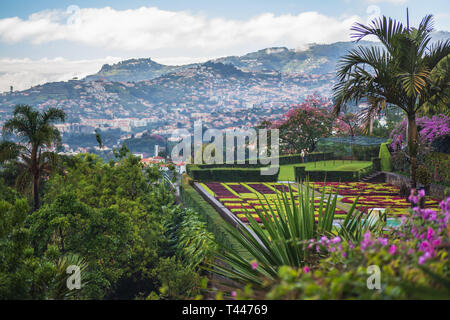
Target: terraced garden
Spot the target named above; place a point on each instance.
(243, 198)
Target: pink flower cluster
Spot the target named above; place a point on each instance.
(429, 130)
(421, 233)
(428, 227)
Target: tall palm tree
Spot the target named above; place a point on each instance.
(33, 153)
(401, 73)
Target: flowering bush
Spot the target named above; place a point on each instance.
(412, 261)
(303, 125)
(429, 130)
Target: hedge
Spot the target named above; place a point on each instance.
(365, 153)
(331, 176)
(232, 175)
(319, 156)
(190, 167)
(385, 156)
(214, 222)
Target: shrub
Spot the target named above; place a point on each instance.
(413, 262)
(439, 166)
(423, 175)
(385, 156)
(330, 176)
(231, 175)
(399, 162)
(214, 222)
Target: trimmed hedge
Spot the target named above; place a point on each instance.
(232, 175)
(385, 156)
(310, 157)
(190, 167)
(331, 176)
(365, 153)
(214, 222)
(319, 156)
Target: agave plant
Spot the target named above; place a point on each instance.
(283, 236)
(356, 225)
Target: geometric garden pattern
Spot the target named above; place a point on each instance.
(242, 198)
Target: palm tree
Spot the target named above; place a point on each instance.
(37, 136)
(401, 73)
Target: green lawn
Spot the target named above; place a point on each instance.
(287, 171)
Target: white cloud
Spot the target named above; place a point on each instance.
(24, 73)
(149, 28)
(388, 1)
(176, 37)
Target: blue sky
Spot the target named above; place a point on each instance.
(51, 40)
(239, 9)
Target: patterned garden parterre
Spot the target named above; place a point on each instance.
(372, 195)
(241, 198)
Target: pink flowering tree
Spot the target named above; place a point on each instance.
(348, 124)
(430, 129)
(303, 125)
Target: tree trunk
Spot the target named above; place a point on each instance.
(61, 235)
(35, 192)
(412, 147)
(35, 176)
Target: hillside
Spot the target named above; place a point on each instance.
(319, 59)
(133, 70)
(203, 88)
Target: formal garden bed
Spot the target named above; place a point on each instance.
(250, 198)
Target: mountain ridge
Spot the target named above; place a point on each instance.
(316, 58)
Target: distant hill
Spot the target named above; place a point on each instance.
(266, 81)
(316, 59)
(133, 70)
(319, 59)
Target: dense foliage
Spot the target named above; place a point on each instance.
(411, 262)
(119, 219)
(405, 72)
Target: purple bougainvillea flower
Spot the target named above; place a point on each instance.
(336, 240)
(430, 234)
(393, 249)
(422, 260)
(306, 269)
(383, 241)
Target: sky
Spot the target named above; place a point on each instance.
(56, 40)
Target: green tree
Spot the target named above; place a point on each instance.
(401, 73)
(37, 137)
